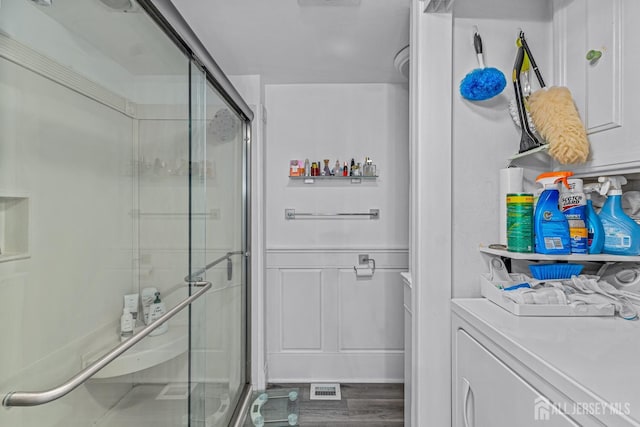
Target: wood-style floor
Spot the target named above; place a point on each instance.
(375, 405)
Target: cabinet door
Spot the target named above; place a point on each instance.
(580, 27)
(488, 393)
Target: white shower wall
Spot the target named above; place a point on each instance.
(69, 156)
(321, 322)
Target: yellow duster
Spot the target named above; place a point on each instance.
(557, 120)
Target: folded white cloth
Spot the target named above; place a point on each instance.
(537, 296)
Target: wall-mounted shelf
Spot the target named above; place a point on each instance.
(536, 158)
(572, 257)
(353, 179)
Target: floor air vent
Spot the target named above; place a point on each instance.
(325, 392)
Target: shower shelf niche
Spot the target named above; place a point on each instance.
(151, 351)
(14, 228)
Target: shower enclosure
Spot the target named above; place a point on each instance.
(123, 170)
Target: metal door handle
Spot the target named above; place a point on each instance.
(27, 398)
(466, 387)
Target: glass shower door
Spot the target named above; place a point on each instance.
(218, 346)
(114, 180)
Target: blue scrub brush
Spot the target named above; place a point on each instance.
(484, 82)
(555, 271)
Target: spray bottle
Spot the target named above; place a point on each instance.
(550, 226)
(621, 233)
(595, 231)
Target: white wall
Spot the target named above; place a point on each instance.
(466, 143)
(322, 323)
(484, 137)
(337, 122)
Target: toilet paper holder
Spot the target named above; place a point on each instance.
(369, 266)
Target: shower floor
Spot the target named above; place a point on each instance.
(155, 405)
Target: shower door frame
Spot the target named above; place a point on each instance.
(164, 13)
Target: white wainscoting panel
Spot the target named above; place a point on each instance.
(370, 316)
(324, 324)
(301, 309)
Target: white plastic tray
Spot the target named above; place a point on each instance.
(490, 291)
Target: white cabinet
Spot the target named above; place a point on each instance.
(488, 393)
(605, 89)
(531, 371)
(596, 84)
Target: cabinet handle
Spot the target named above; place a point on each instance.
(594, 55)
(466, 386)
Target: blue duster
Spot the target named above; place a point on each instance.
(484, 82)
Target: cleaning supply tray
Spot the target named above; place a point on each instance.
(490, 290)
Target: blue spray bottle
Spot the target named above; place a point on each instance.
(550, 226)
(595, 231)
(621, 233)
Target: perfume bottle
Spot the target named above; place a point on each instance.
(326, 170)
(294, 169)
(369, 167)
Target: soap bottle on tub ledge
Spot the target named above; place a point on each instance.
(126, 324)
(157, 310)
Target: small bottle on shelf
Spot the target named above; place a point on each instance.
(294, 169)
(326, 171)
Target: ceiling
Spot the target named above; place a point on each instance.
(132, 39)
(303, 41)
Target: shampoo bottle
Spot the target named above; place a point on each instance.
(550, 226)
(595, 231)
(621, 233)
(156, 310)
(126, 325)
(147, 297)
